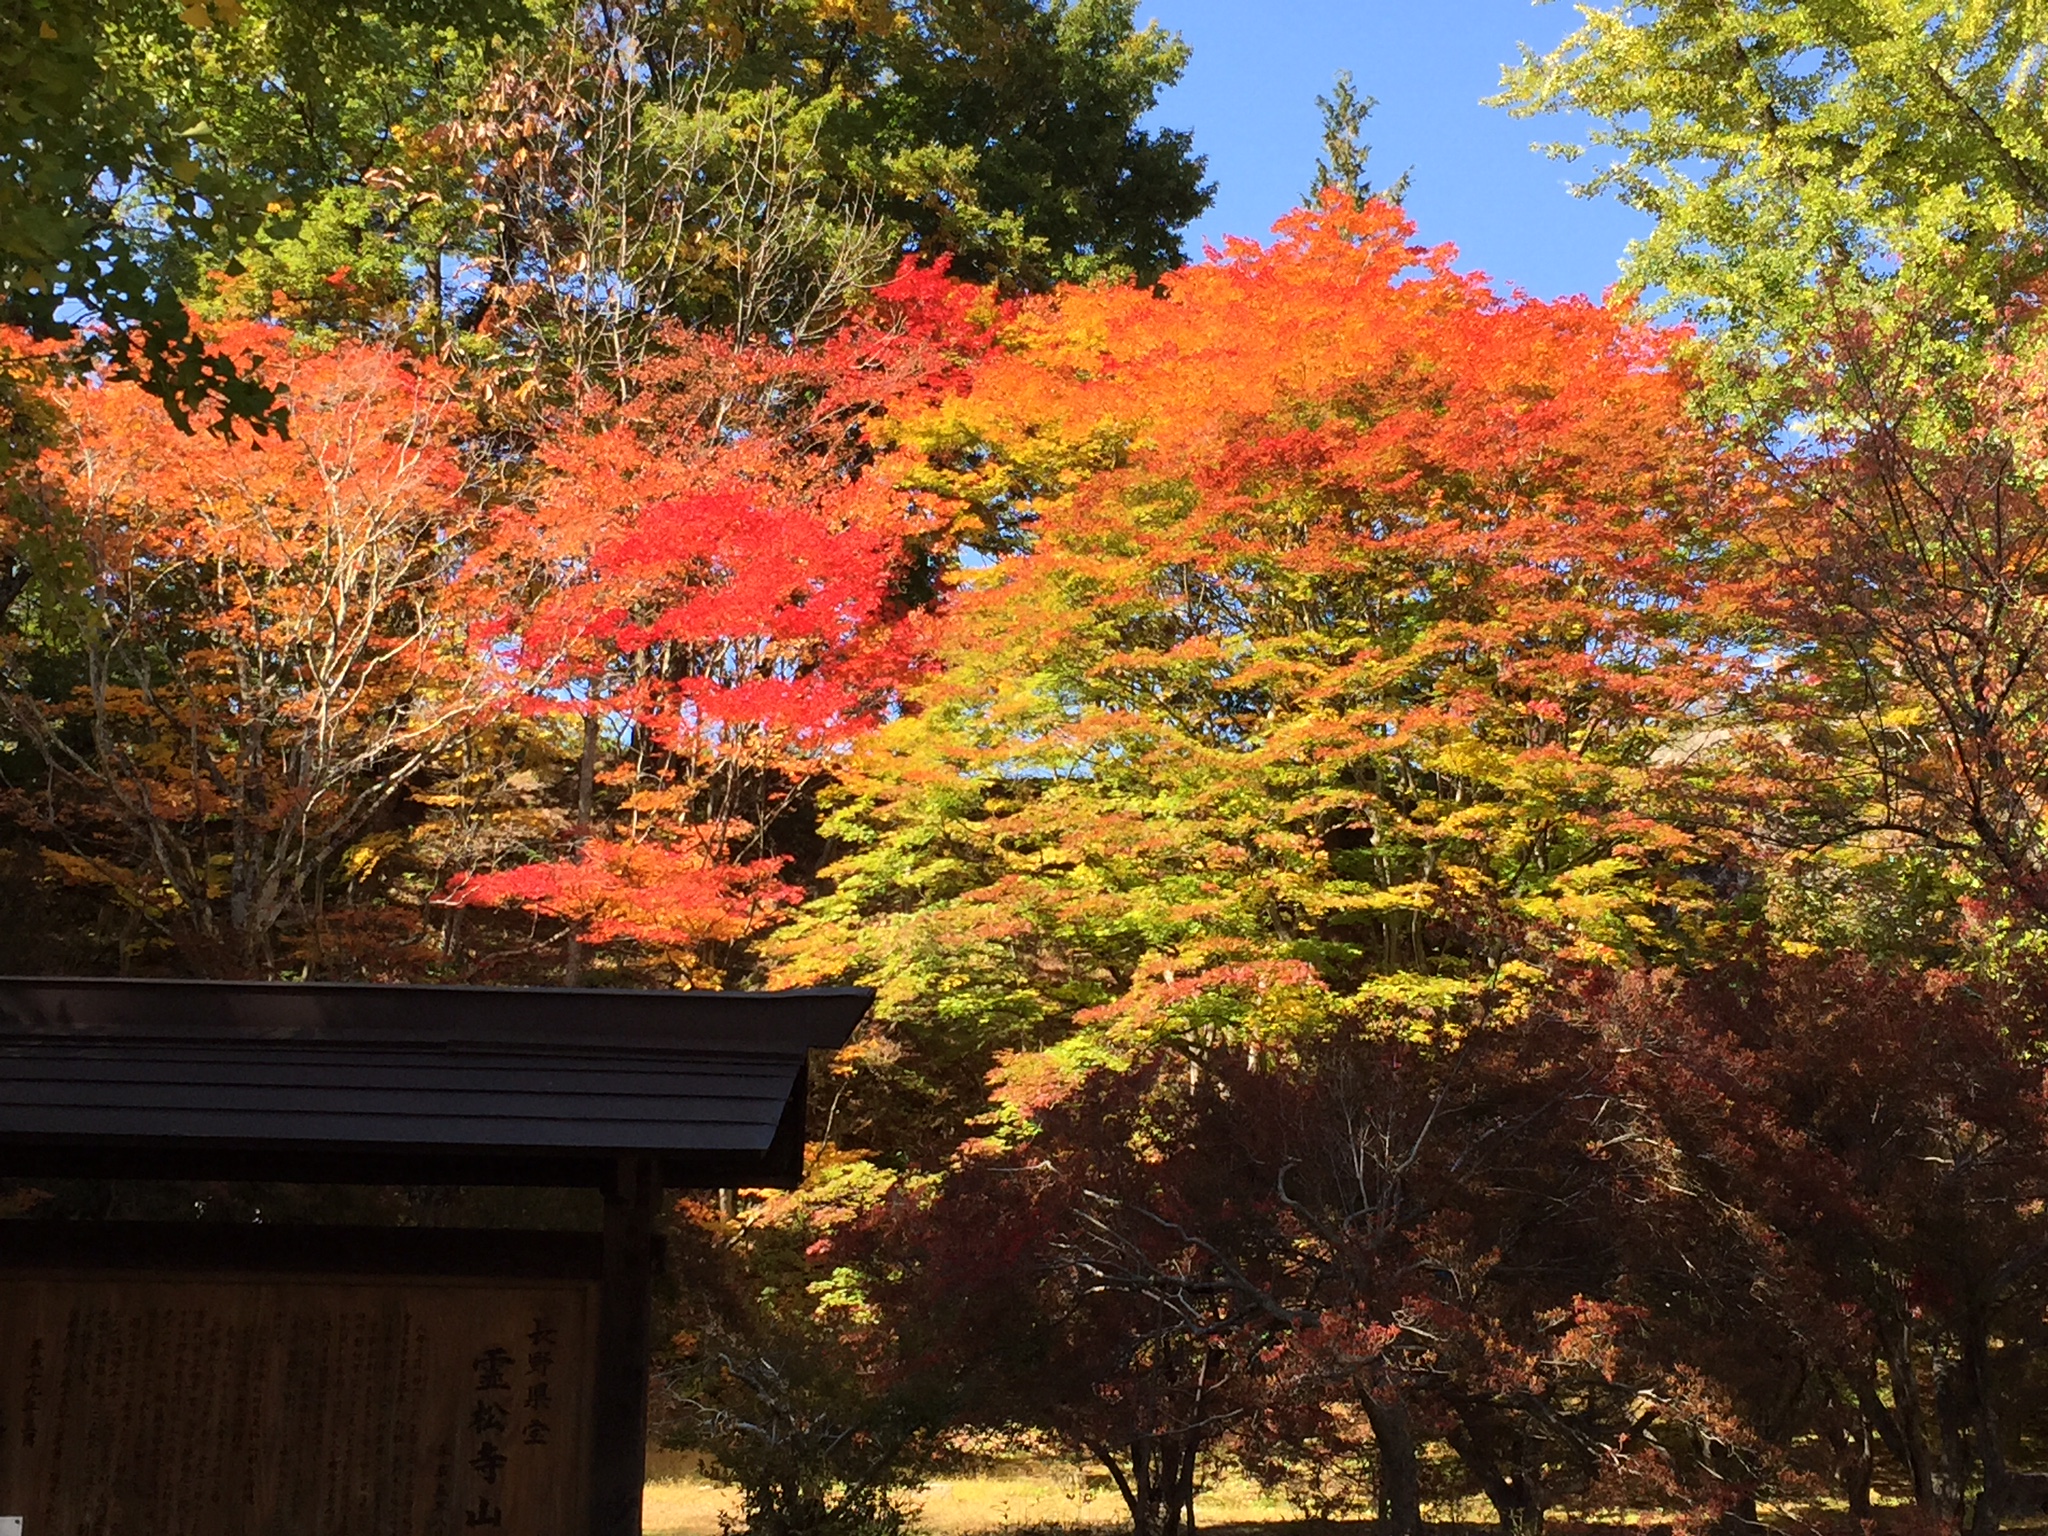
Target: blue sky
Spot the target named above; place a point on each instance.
(1250, 92)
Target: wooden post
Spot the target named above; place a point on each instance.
(618, 1421)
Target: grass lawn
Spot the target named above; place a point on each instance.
(1055, 1499)
(1031, 1496)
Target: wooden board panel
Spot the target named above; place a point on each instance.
(168, 1405)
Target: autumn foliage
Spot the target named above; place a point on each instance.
(721, 604)
(1331, 616)
(1446, 923)
(262, 640)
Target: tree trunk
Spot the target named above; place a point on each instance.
(1998, 1498)
(1955, 1420)
(1400, 1469)
(586, 775)
(1852, 1442)
(437, 298)
(586, 785)
(1515, 1491)
(1858, 1462)
(1911, 1419)
(1518, 1500)
(1159, 1490)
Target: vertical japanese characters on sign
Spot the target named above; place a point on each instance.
(488, 1421)
(538, 1405)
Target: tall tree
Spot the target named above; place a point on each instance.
(1328, 617)
(153, 139)
(1798, 156)
(236, 654)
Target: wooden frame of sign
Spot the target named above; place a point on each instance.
(208, 1379)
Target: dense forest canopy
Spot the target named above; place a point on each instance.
(1456, 884)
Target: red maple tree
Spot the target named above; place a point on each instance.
(707, 590)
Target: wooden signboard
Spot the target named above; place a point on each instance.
(205, 1379)
(297, 1382)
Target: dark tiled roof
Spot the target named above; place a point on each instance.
(366, 1084)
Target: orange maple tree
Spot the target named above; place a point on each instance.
(1329, 617)
(1326, 633)
(1305, 696)
(263, 641)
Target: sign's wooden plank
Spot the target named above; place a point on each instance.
(161, 1404)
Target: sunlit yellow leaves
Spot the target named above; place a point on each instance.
(360, 861)
(201, 15)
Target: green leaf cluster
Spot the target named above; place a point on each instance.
(150, 143)
(1802, 159)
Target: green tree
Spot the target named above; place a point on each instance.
(748, 168)
(1345, 152)
(1801, 157)
(1007, 131)
(152, 141)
